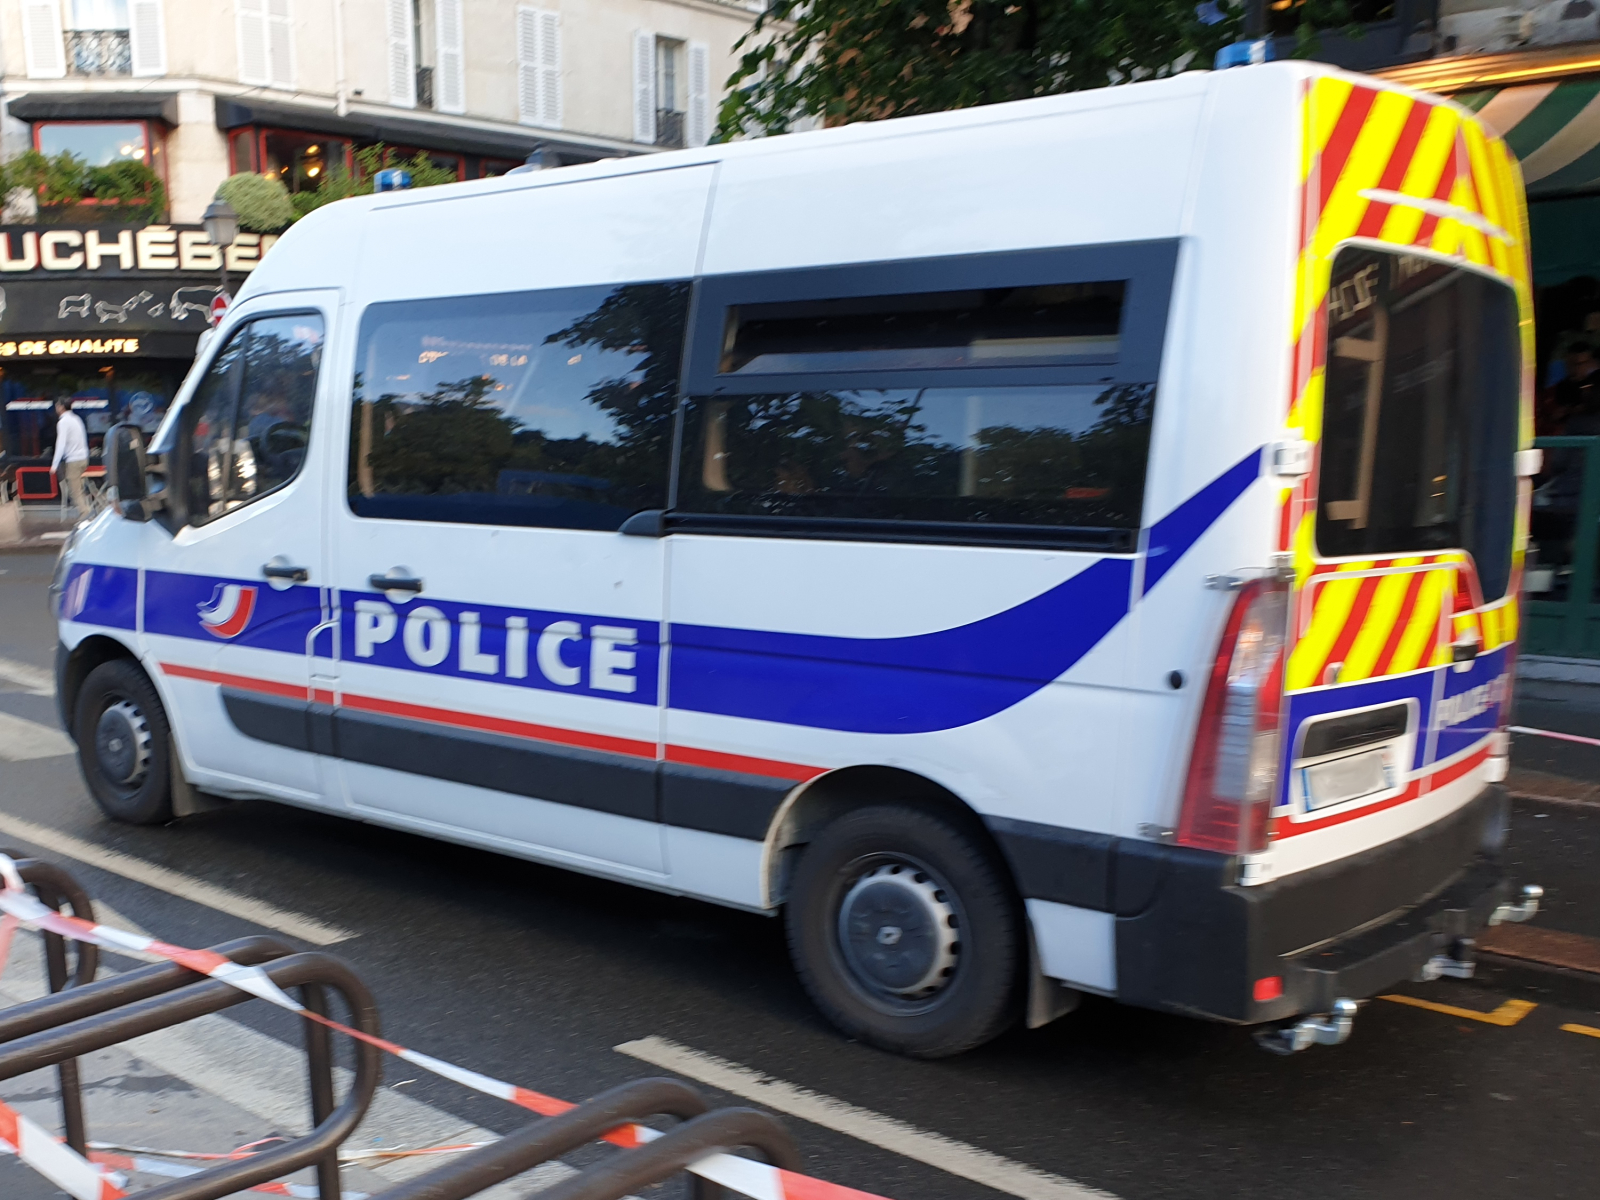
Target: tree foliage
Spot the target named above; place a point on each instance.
(840, 61)
(123, 191)
(261, 201)
(341, 184)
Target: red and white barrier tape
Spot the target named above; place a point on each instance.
(751, 1178)
(57, 1162)
(1560, 737)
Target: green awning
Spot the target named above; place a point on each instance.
(1552, 128)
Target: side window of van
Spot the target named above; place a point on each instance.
(997, 398)
(550, 408)
(249, 422)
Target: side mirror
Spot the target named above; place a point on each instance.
(125, 469)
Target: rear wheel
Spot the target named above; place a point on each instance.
(123, 739)
(905, 933)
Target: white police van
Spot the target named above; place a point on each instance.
(1067, 546)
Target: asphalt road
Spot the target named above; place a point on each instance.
(534, 975)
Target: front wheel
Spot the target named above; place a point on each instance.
(905, 933)
(123, 738)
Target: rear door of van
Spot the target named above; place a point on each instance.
(500, 639)
(1410, 377)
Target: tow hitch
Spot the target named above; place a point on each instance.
(1327, 1029)
(1528, 905)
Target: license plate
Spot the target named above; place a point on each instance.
(1348, 778)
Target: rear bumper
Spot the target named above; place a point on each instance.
(1349, 929)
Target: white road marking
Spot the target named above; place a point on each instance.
(21, 739)
(934, 1149)
(38, 680)
(261, 912)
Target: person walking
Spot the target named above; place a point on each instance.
(72, 455)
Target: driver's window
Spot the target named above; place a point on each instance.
(250, 420)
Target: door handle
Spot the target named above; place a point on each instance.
(395, 583)
(278, 569)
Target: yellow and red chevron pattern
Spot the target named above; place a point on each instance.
(1383, 165)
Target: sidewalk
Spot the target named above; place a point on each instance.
(34, 527)
(211, 1086)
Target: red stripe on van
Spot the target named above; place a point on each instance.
(244, 683)
(1288, 829)
(1352, 624)
(1343, 139)
(1402, 622)
(743, 764)
(522, 729)
(1394, 174)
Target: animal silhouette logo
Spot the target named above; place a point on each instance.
(119, 312)
(188, 300)
(228, 611)
(73, 306)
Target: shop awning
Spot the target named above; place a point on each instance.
(1552, 127)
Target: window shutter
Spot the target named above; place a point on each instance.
(527, 65)
(253, 42)
(280, 44)
(644, 87)
(698, 132)
(450, 85)
(550, 70)
(147, 37)
(41, 39)
(402, 56)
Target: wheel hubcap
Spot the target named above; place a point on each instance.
(122, 744)
(899, 932)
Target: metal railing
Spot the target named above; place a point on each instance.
(99, 52)
(86, 1015)
(669, 127)
(1559, 585)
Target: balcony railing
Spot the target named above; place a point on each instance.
(424, 87)
(669, 127)
(99, 52)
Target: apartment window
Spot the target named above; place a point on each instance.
(671, 91)
(266, 43)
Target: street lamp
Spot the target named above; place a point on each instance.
(222, 226)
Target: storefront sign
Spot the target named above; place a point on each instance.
(30, 251)
(69, 347)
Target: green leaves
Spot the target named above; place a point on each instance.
(121, 192)
(261, 201)
(840, 61)
(340, 184)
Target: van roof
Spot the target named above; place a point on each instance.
(329, 235)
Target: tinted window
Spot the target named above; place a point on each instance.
(1420, 412)
(535, 408)
(1048, 456)
(1004, 326)
(249, 421)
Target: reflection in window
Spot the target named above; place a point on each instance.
(97, 143)
(1419, 412)
(988, 327)
(301, 160)
(1062, 456)
(536, 408)
(249, 421)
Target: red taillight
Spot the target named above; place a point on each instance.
(1233, 770)
(1269, 988)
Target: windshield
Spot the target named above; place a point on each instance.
(1420, 413)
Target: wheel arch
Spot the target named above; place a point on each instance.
(77, 662)
(811, 806)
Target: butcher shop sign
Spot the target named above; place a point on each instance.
(112, 290)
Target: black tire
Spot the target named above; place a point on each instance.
(122, 735)
(891, 876)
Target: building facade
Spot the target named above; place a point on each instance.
(201, 89)
(109, 317)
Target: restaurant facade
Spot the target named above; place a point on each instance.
(107, 318)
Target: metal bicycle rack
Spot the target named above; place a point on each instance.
(83, 1014)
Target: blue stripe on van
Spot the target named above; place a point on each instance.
(1171, 536)
(914, 684)
(939, 680)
